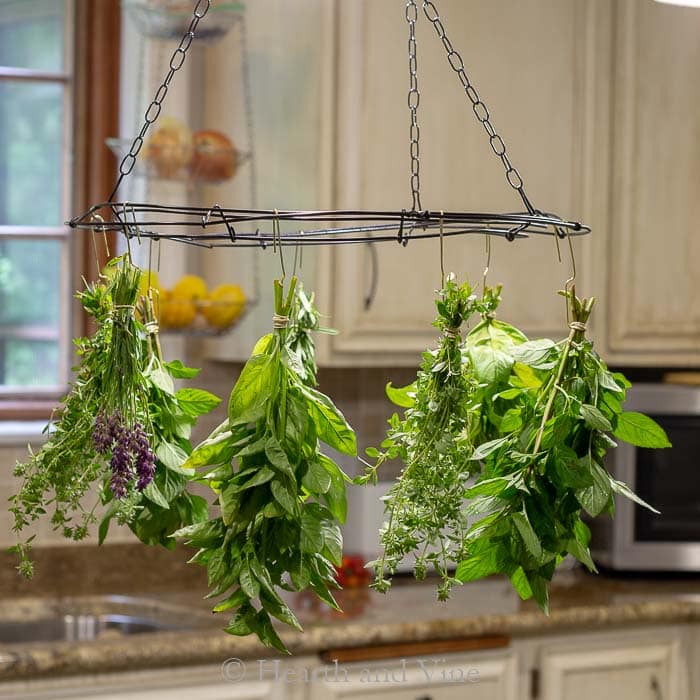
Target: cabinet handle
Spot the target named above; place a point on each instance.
(656, 687)
(424, 697)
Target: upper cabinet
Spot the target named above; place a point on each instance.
(597, 103)
(653, 251)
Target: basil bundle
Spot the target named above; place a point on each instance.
(532, 421)
(282, 504)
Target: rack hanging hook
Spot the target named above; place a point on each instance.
(277, 240)
(97, 217)
(442, 249)
(373, 276)
(488, 258)
(569, 284)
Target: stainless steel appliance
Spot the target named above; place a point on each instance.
(668, 479)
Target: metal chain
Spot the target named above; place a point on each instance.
(481, 112)
(177, 60)
(413, 102)
(248, 104)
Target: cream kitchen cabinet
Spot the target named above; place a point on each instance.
(477, 675)
(648, 664)
(195, 683)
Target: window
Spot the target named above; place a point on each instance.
(58, 102)
(35, 194)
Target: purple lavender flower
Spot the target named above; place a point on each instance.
(120, 463)
(102, 434)
(144, 458)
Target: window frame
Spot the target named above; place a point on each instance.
(91, 109)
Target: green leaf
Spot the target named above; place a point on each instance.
(196, 402)
(333, 542)
(316, 479)
(336, 496)
(539, 591)
(282, 494)
(161, 379)
(331, 426)
(253, 389)
(594, 419)
(237, 598)
(249, 584)
(624, 490)
(278, 457)
(244, 622)
(260, 476)
(527, 376)
(490, 365)
(640, 430)
(479, 566)
(213, 451)
(522, 586)
(528, 535)
(311, 535)
(230, 502)
(268, 635)
(606, 381)
(487, 448)
(110, 512)
(280, 610)
(153, 494)
(489, 487)
(216, 566)
(401, 396)
(582, 553)
(205, 534)
(173, 457)
(179, 371)
(595, 498)
(533, 352)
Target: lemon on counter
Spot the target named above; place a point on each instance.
(190, 287)
(224, 306)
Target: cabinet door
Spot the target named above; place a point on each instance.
(452, 677)
(634, 672)
(540, 81)
(654, 297)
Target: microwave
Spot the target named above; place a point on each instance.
(668, 479)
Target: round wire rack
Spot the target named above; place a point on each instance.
(218, 227)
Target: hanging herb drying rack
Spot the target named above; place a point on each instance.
(217, 226)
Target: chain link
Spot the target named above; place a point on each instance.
(481, 111)
(153, 110)
(413, 102)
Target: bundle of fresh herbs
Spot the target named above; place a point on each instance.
(281, 499)
(121, 427)
(531, 420)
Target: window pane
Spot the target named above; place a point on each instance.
(31, 134)
(30, 293)
(31, 34)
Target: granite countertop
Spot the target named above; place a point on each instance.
(409, 612)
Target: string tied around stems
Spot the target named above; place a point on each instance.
(452, 333)
(578, 326)
(279, 321)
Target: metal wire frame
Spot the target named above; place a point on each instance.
(218, 227)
